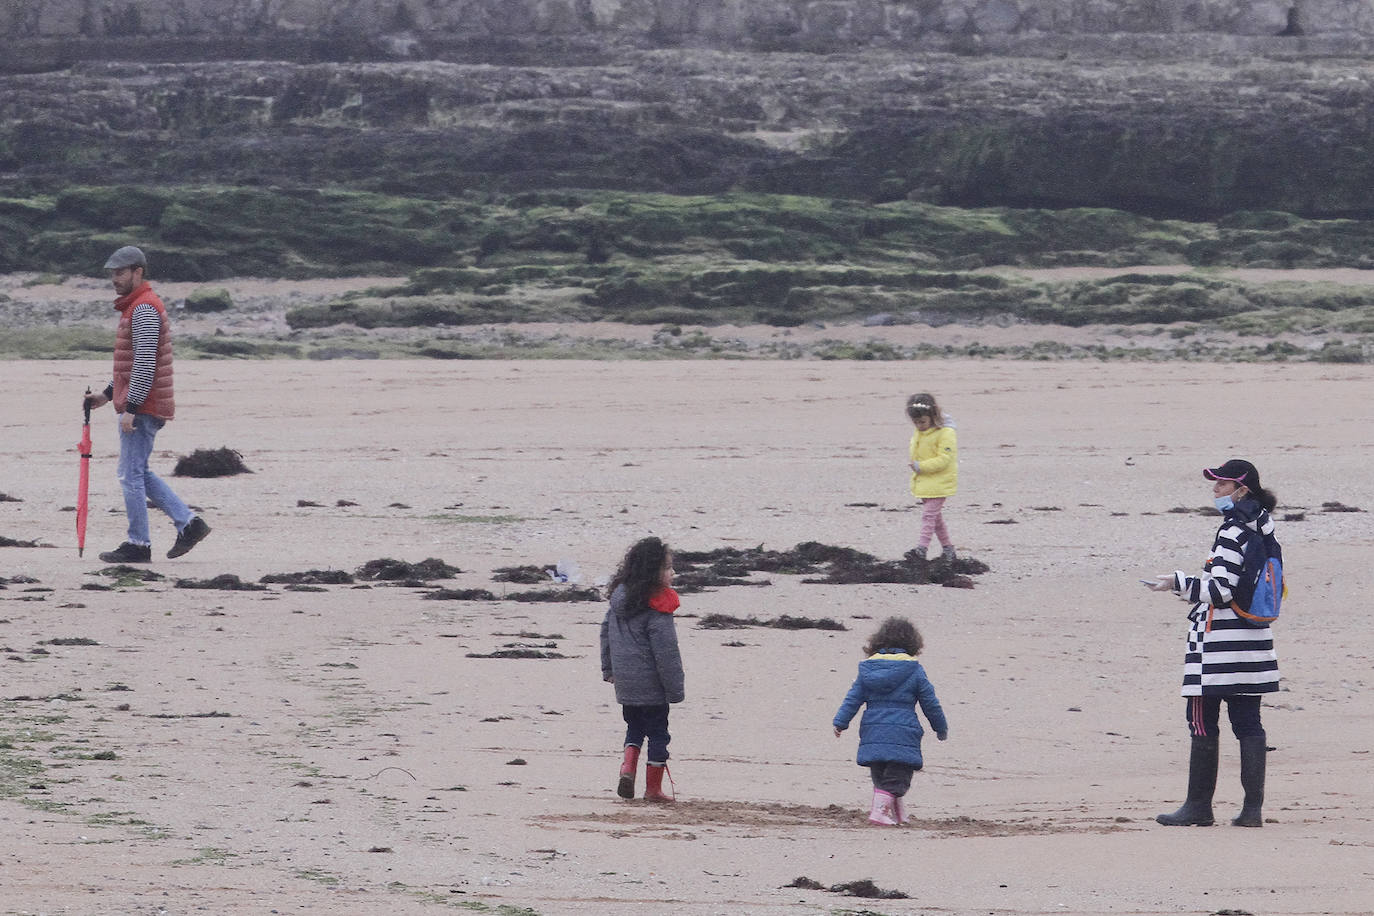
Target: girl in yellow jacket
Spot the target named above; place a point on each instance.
(934, 469)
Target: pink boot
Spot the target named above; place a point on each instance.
(628, 764)
(900, 807)
(884, 809)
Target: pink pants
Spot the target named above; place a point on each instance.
(933, 521)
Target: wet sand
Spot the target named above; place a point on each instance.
(179, 750)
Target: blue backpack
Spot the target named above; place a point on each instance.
(1259, 594)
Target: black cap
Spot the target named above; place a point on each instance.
(1237, 470)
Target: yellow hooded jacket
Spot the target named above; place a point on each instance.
(937, 451)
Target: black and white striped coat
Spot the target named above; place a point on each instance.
(1226, 656)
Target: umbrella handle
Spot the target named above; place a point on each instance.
(86, 405)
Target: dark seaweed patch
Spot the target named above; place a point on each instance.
(556, 595)
(309, 577)
(862, 888)
(912, 569)
(390, 570)
(124, 572)
(866, 888)
(460, 594)
(516, 653)
(226, 582)
(219, 462)
(522, 575)
(836, 566)
(1339, 507)
(13, 542)
(785, 622)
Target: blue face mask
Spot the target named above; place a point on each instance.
(1224, 503)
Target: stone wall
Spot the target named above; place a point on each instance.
(732, 23)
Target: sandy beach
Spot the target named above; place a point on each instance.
(176, 750)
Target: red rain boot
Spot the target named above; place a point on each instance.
(628, 764)
(653, 783)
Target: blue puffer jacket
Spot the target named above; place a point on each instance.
(892, 683)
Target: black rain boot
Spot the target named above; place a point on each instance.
(1253, 752)
(1202, 782)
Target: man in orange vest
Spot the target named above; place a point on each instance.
(142, 396)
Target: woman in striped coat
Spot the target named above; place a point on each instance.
(1228, 657)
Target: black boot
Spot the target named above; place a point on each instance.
(1253, 752)
(1202, 782)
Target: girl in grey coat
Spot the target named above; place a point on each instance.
(639, 655)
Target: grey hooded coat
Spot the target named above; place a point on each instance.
(639, 650)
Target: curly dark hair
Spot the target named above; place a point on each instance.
(896, 633)
(641, 573)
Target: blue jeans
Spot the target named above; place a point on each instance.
(648, 722)
(141, 485)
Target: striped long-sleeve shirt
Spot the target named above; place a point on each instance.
(145, 328)
(1226, 655)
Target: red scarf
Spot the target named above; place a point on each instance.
(665, 601)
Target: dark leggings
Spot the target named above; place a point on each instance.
(892, 778)
(648, 722)
(1204, 716)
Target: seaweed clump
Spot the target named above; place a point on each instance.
(218, 462)
(516, 653)
(866, 888)
(125, 573)
(389, 570)
(828, 564)
(522, 575)
(785, 622)
(862, 888)
(226, 582)
(14, 542)
(309, 577)
(460, 594)
(556, 595)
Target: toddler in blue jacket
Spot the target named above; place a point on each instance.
(892, 684)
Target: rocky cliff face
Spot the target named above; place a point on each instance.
(729, 23)
(1016, 104)
(1165, 137)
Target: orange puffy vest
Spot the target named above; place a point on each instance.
(159, 403)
